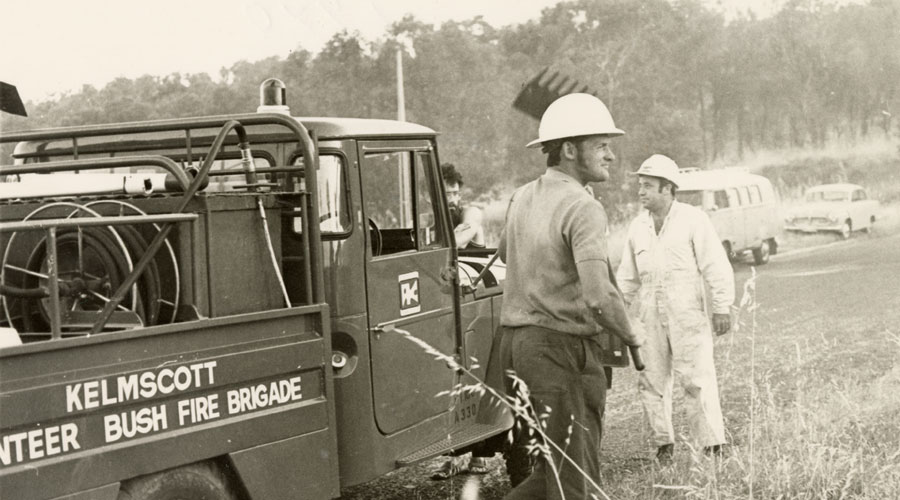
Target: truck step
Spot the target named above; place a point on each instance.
(464, 437)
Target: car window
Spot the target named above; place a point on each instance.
(755, 197)
(694, 198)
(721, 199)
(827, 196)
(859, 195)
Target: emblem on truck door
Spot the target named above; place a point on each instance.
(409, 293)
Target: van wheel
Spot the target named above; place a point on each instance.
(845, 230)
(194, 481)
(761, 254)
(727, 246)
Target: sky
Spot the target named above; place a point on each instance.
(49, 47)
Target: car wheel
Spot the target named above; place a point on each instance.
(761, 254)
(868, 229)
(846, 230)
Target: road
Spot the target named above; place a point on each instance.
(826, 312)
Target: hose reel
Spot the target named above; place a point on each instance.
(91, 262)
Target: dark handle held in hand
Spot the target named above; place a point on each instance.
(636, 358)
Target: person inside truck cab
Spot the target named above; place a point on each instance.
(467, 222)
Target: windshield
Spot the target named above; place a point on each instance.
(691, 198)
(827, 196)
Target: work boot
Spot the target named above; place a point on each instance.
(451, 467)
(665, 453)
(479, 465)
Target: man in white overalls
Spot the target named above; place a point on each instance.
(671, 249)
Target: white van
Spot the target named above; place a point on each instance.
(742, 206)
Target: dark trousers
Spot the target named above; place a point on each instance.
(567, 383)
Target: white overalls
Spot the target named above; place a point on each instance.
(668, 269)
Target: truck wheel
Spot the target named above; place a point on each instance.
(194, 481)
(846, 230)
(761, 254)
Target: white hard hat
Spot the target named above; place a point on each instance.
(660, 166)
(575, 115)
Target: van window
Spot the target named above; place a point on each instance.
(691, 198)
(755, 197)
(721, 199)
(743, 195)
(732, 197)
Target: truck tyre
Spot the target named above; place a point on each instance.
(195, 481)
(761, 253)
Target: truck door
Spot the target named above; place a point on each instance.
(407, 282)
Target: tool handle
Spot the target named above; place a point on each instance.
(636, 358)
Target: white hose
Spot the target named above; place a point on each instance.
(262, 213)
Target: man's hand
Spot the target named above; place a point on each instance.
(721, 323)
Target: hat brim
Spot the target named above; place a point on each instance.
(537, 142)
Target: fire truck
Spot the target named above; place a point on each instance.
(224, 307)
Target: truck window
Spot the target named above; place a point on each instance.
(721, 199)
(755, 196)
(694, 198)
(334, 213)
(428, 234)
(399, 202)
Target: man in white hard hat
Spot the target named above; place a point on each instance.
(671, 250)
(559, 292)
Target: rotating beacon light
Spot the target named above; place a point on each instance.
(272, 97)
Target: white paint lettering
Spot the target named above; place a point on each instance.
(73, 397)
(132, 423)
(262, 395)
(128, 387)
(38, 443)
(145, 385)
(104, 393)
(200, 409)
(91, 394)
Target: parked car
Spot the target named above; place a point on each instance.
(742, 206)
(841, 208)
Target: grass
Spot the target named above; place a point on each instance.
(816, 419)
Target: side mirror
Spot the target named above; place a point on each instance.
(426, 220)
(713, 208)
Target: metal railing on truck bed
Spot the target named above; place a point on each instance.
(36, 147)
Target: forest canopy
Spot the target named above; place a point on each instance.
(678, 77)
